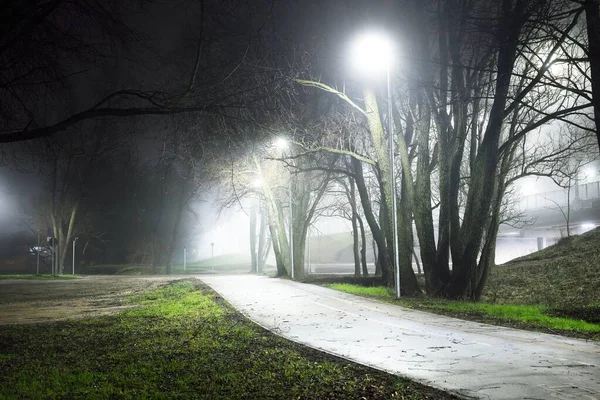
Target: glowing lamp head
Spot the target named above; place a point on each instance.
(257, 183)
(281, 143)
(371, 53)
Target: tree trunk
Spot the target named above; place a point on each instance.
(253, 253)
(483, 178)
(376, 257)
(355, 234)
(408, 280)
(592, 18)
(384, 261)
(64, 247)
(385, 166)
(355, 245)
(262, 245)
(363, 246)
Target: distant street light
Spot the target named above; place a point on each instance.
(257, 183)
(283, 145)
(371, 54)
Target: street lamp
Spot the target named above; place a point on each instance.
(257, 183)
(371, 54)
(282, 144)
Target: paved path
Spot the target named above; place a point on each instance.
(472, 359)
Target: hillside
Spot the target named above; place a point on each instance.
(335, 248)
(565, 275)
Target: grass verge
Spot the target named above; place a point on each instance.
(529, 317)
(38, 276)
(182, 341)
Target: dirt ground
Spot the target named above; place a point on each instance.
(30, 301)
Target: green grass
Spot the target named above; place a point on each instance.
(38, 276)
(522, 316)
(371, 291)
(181, 341)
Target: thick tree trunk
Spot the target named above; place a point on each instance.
(483, 178)
(378, 235)
(592, 18)
(376, 257)
(351, 193)
(355, 245)
(276, 227)
(408, 279)
(385, 166)
(64, 246)
(409, 284)
(436, 273)
(363, 247)
(279, 261)
(262, 244)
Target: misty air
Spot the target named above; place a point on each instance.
(300, 199)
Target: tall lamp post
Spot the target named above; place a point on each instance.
(370, 52)
(282, 144)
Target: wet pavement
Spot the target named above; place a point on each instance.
(471, 359)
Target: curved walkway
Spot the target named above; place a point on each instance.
(468, 358)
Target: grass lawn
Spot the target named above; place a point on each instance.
(532, 317)
(181, 341)
(565, 276)
(38, 276)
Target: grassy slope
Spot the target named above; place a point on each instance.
(222, 263)
(182, 342)
(563, 276)
(326, 248)
(223, 260)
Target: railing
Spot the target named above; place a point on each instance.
(555, 198)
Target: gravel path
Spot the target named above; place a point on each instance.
(32, 301)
